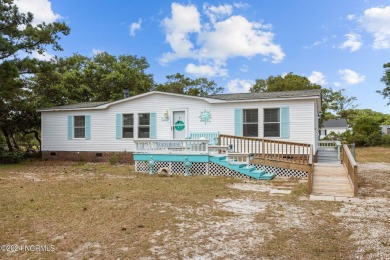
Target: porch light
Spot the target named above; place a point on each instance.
(166, 115)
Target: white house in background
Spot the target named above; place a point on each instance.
(337, 126)
(94, 130)
(386, 129)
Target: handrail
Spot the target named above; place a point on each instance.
(268, 149)
(351, 167)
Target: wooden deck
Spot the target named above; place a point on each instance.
(330, 177)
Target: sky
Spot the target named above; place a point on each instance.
(337, 44)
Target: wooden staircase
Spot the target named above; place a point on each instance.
(232, 162)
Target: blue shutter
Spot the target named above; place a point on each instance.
(238, 121)
(87, 127)
(118, 126)
(70, 127)
(153, 126)
(284, 122)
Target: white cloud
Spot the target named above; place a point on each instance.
(353, 42)
(376, 20)
(351, 77)
(41, 9)
(96, 51)
(237, 37)
(317, 77)
(239, 85)
(205, 70)
(135, 27)
(351, 17)
(244, 68)
(217, 12)
(225, 36)
(337, 84)
(184, 20)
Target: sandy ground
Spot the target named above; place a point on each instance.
(236, 228)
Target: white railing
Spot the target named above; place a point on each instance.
(327, 144)
(239, 158)
(172, 146)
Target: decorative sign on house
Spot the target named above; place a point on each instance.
(205, 116)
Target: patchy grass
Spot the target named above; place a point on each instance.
(97, 210)
(373, 154)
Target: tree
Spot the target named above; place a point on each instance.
(340, 102)
(386, 79)
(289, 82)
(100, 78)
(180, 84)
(17, 33)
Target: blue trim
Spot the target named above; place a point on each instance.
(119, 126)
(285, 122)
(171, 157)
(87, 127)
(70, 127)
(238, 121)
(153, 126)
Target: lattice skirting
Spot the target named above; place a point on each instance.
(213, 169)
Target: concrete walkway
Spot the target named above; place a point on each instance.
(330, 178)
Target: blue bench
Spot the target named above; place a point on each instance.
(211, 136)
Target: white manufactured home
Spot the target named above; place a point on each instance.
(96, 130)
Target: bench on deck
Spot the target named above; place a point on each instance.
(211, 136)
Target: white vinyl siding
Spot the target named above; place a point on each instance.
(103, 122)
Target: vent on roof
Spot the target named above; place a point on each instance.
(125, 93)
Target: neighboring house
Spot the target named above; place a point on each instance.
(337, 126)
(96, 130)
(385, 129)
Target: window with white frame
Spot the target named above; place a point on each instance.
(271, 122)
(79, 126)
(144, 125)
(128, 126)
(250, 123)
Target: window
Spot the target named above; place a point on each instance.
(323, 132)
(128, 126)
(250, 122)
(79, 127)
(143, 125)
(271, 122)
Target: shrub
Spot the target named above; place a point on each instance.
(386, 140)
(7, 157)
(114, 159)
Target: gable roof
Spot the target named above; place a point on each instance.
(219, 98)
(267, 95)
(336, 123)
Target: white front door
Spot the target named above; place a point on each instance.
(179, 125)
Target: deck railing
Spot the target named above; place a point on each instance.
(172, 146)
(326, 145)
(351, 167)
(267, 149)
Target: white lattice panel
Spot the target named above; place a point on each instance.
(213, 169)
(218, 170)
(281, 172)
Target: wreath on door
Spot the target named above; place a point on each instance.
(179, 125)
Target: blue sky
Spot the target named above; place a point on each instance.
(338, 44)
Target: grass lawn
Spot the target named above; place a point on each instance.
(97, 210)
(373, 154)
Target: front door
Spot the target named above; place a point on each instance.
(179, 125)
